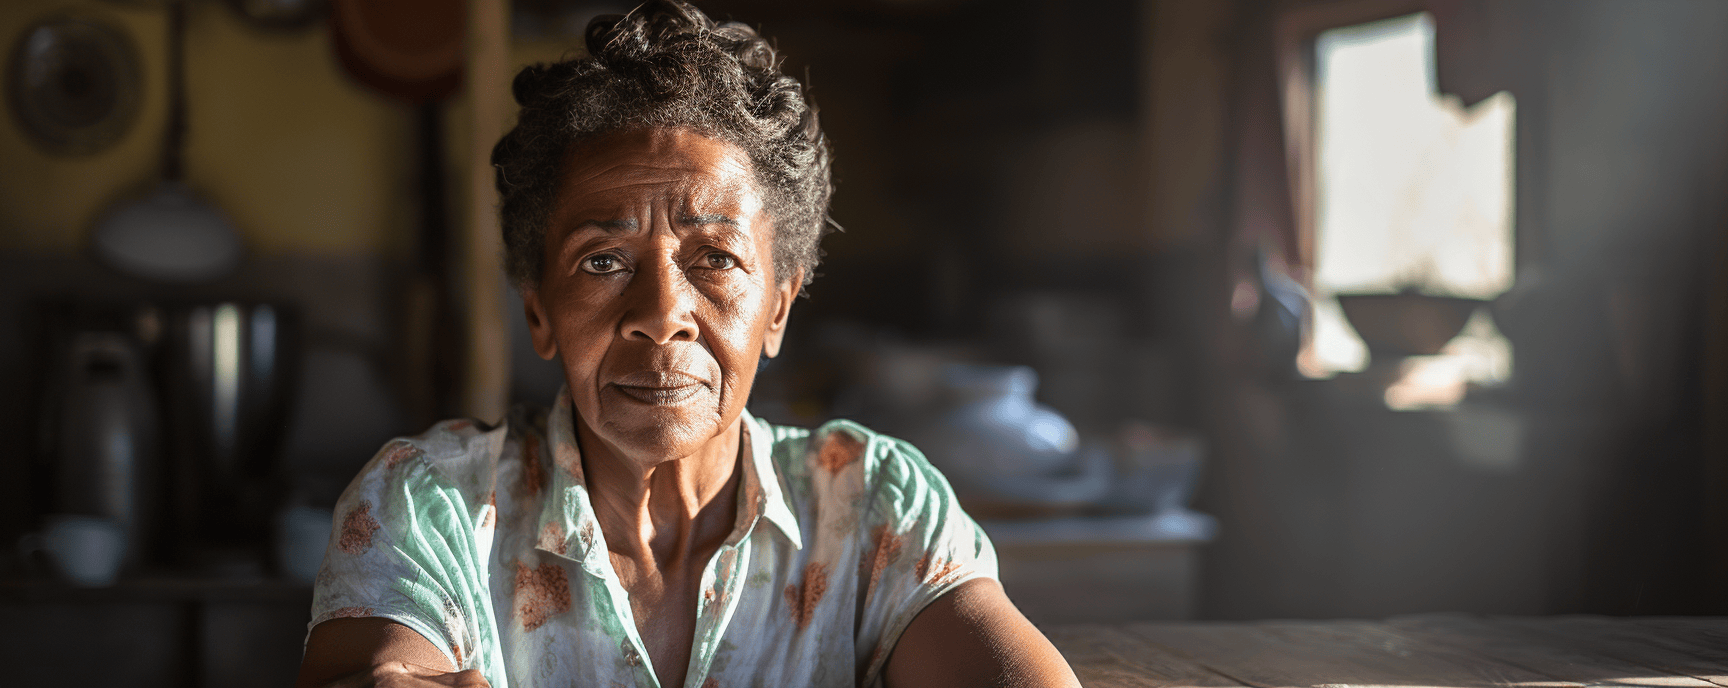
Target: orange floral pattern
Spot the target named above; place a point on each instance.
(397, 452)
(802, 598)
(357, 530)
(839, 451)
(542, 592)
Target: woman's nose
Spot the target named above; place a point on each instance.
(661, 305)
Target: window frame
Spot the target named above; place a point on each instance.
(1295, 33)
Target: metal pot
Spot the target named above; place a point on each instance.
(105, 459)
(230, 369)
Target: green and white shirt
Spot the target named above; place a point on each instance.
(484, 541)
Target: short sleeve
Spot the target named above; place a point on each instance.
(411, 541)
(919, 545)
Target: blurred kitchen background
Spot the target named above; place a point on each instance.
(1210, 309)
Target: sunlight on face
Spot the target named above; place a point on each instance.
(659, 291)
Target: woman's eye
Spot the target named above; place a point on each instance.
(602, 264)
(721, 261)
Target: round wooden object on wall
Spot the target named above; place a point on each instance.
(411, 50)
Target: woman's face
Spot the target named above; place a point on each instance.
(658, 289)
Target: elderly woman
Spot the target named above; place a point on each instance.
(663, 199)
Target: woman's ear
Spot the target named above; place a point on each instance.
(539, 327)
(784, 294)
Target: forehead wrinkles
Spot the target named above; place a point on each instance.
(674, 181)
(648, 155)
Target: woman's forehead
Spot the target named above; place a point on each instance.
(647, 165)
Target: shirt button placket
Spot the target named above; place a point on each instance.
(634, 659)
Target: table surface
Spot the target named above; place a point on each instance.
(1428, 650)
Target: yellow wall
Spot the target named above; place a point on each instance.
(303, 159)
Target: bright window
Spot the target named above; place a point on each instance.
(1414, 192)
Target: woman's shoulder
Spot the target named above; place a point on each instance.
(460, 452)
(877, 493)
(449, 443)
(845, 451)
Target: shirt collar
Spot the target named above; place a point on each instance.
(567, 524)
(763, 489)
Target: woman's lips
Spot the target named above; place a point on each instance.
(659, 396)
(659, 388)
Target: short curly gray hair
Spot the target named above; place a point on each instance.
(665, 64)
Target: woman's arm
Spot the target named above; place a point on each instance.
(357, 653)
(973, 636)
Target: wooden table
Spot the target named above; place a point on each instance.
(1430, 650)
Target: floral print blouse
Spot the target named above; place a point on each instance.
(485, 542)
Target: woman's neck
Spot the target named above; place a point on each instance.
(666, 510)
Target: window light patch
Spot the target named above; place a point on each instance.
(1414, 191)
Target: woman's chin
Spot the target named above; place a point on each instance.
(656, 432)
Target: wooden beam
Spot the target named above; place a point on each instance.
(486, 368)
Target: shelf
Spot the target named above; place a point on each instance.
(155, 589)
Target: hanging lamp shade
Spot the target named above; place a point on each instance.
(170, 235)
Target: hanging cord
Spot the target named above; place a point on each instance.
(174, 139)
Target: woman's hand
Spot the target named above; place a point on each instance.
(405, 675)
(367, 652)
